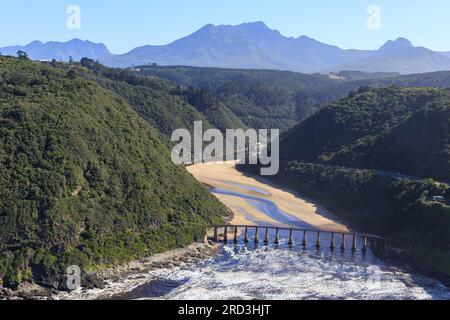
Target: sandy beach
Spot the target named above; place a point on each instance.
(225, 176)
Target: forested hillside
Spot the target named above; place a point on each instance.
(166, 106)
(404, 130)
(172, 97)
(433, 79)
(84, 180)
(261, 98)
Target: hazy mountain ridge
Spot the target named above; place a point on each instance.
(255, 46)
(75, 49)
(251, 46)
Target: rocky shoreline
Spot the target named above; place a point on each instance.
(111, 283)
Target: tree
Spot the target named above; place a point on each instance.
(87, 63)
(22, 54)
(71, 74)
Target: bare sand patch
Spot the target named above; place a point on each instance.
(225, 176)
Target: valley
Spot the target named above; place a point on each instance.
(90, 146)
(214, 159)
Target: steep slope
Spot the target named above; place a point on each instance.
(84, 180)
(404, 130)
(420, 146)
(165, 105)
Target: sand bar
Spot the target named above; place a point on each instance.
(225, 176)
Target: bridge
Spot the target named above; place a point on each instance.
(322, 239)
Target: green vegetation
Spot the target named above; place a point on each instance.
(86, 177)
(404, 130)
(84, 180)
(166, 106)
(260, 98)
(397, 209)
(280, 99)
(439, 79)
(360, 75)
(228, 98)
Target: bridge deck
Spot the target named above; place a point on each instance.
(366, 238)
(263, 227)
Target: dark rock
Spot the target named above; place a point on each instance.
(157, 265)
(51, 282)
(92, 281)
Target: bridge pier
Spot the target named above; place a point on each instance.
(354, 243)
(332, 247)
(277, 237)
(318, 241)
(305, 241)
(266, 238)
(225, 235)
(377, 242)
(343, 243)
(364, 247)
(256, 236)
(246, 235)
(291, 241)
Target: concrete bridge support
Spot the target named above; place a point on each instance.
(380, 244)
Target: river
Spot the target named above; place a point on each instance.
(280, 272)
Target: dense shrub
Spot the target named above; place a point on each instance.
(84, 180)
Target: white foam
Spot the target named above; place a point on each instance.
(283, 274)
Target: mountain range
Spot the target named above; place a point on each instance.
(250, 46)
(75, 49)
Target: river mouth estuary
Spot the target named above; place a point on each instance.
(279, 272)
(282, 272)
(268, 273)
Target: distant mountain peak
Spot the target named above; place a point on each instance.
(398, 44)
(36, 43)
(250, 45)
(256, 24)
(251, 31)
(77, 40)
(257, 27)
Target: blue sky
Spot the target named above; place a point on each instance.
(123, 25)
